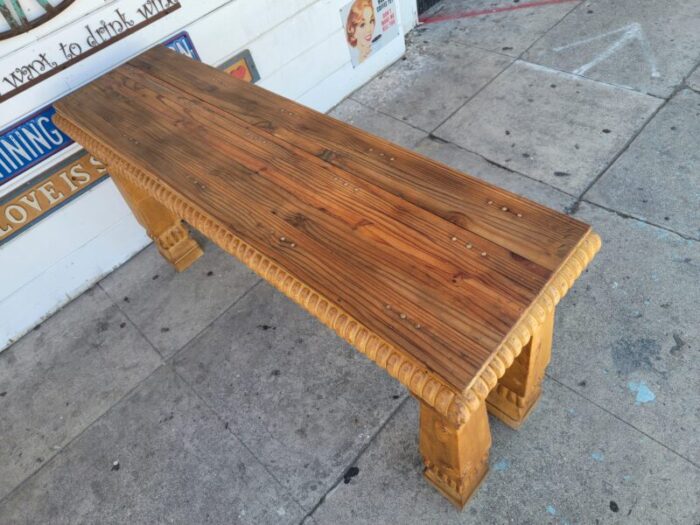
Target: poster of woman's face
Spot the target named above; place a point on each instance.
(369, 26)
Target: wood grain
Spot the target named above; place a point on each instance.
(452, 274)
(539, 235)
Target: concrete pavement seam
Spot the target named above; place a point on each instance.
(89, 426)
(680, 87)
(216, 318)
(355, 460)
(625, 215)
(230, 431)
(623, 421)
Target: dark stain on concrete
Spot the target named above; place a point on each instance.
(350, 473)
(630, 356)
(678, 347)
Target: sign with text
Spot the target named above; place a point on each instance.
(182, 43)
(36, 200)
(369, 26)
(29, 142)
(65, 47)
(241, 66)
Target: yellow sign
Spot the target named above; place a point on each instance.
(36, 199)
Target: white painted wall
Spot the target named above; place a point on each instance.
(300, 52)
(408, 9)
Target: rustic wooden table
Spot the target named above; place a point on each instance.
(447, 282)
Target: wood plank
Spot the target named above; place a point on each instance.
(366, 214)
(422, 255)
(363, 288)
(540, 235)
(500, 260)
(499, 268)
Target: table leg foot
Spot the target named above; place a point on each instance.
(455, 458)
(166, 229)
(510, 413)
(177, 247)
(520, 388)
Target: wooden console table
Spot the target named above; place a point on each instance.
(447, 282)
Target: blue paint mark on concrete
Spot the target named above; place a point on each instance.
(644, 394)
(598, 456)
(501, 465)
(551, 510)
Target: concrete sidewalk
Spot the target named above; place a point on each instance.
(207, 397)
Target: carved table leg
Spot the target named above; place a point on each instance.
(519, 389)
(167, 231)
(456, 458)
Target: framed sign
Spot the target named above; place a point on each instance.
(182, 43)
(29, 142)
(45, 194)
(241, 66)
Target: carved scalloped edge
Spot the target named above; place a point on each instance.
(427, 386)
(509, 395)
(557, 287)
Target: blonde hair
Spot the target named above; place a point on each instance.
(354, 17)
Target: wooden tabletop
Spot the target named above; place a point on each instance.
(438, 263)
